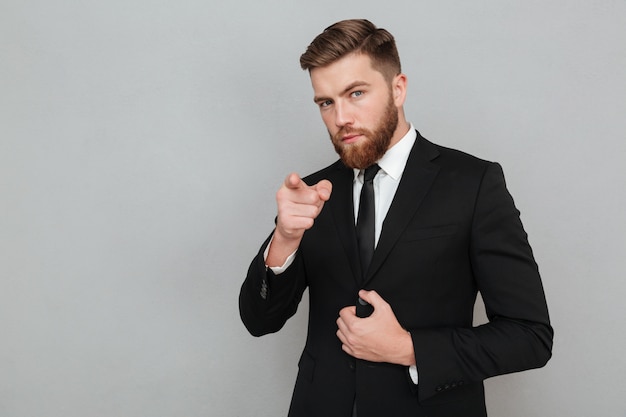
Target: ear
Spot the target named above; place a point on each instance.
(398, 88)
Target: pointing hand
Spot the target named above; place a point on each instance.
(299, 205)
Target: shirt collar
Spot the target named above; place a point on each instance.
(394, 160)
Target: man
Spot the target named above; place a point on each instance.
(390, 333)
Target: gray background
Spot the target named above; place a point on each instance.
(142, 142)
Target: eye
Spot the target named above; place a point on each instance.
(325, 103)
(357, 93)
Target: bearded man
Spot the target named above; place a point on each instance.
(393, 242)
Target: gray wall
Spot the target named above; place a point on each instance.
(141, 144)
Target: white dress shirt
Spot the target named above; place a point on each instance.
(386, 180)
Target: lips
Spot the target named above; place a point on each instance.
(348, 136)
(351, 137)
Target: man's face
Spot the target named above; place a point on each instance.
(359, 109)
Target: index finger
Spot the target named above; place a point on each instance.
(347, 312)
(293, 181)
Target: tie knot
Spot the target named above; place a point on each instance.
(370, 172)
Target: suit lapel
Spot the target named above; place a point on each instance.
(417, 179)
(342, 208)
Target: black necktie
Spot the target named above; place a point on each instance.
(365, 225)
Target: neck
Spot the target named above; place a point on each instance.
(401, 130)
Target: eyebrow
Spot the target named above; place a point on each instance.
(350, 86)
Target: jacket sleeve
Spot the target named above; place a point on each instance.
(266, 300)
(518, 335)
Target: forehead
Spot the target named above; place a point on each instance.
(333, 78)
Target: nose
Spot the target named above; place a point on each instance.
(343, 116)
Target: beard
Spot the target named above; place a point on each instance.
(374, 143)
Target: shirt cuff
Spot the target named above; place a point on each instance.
(279, 269)
(413, 373)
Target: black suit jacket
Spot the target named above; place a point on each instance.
(452, 230)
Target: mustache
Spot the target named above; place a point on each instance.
(349, 131)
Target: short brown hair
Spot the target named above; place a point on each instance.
(353, 36)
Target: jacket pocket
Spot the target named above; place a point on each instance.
(429, 232)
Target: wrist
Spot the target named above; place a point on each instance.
(280, 248)
(409, 351)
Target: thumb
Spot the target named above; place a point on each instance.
(372, 298)
(324, 188)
